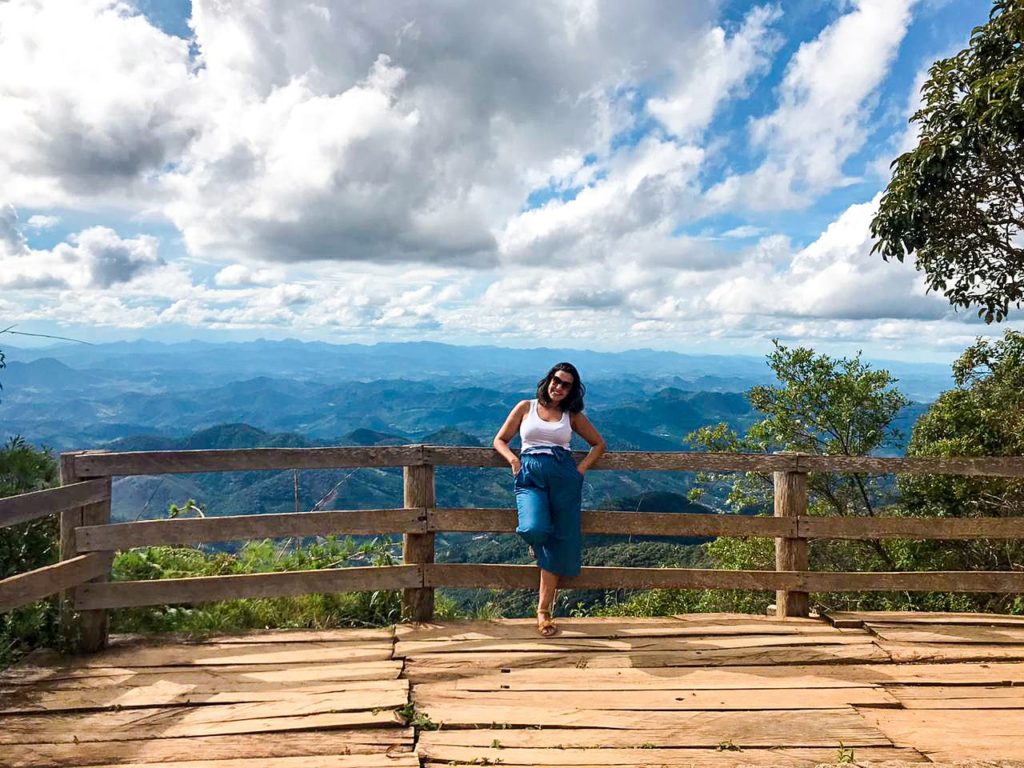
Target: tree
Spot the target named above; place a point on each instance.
(25, 547)
(983, 415)
(956, 201)
(823, 406)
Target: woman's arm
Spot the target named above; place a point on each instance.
(581, 426)
(508, 431)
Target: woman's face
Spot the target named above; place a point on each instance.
(560, 386)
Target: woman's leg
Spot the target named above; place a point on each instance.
(545, 602)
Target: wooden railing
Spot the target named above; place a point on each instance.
(89, 539)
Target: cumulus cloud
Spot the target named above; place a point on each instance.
(825, 101)
(39, 222)
(93, 97)
(726, 65)
(95, 258)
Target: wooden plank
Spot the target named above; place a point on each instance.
(236, 653)
(526, 629)
(342, 635)
(252, 746)
(928, 617)
(525, 577)
(30, 506)
(960, 697)
(560, 644)
(820, 728)
(692, 461)
(189, 531)
(663, 758)
(400, 760)
(236, 675)
(43, 582)
(204, 589)
(918, 652)
(141, 724)
(497, 520)
(928, 528)
(91, 464)
(390, 694)
(744, 677)
(448, 665)
(626, 460)
(950, 633)
(950, 735)
(440, 701)
(917, 581)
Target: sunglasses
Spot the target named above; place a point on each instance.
(561, 383)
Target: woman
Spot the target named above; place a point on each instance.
(548, 483)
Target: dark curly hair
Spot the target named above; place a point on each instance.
(573, 402)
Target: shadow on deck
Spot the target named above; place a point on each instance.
(718, 690)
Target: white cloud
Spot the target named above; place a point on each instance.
(94, 100)
(39, 222)
(726, 64)
(825, 101)
(94, 258)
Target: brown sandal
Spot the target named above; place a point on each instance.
(545, 626)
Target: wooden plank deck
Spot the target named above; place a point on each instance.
(715, 690)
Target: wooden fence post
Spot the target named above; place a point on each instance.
(418, 548)
(791, 554)
(87, 631)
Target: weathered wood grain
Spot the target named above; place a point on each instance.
(927, 617)
(821, 728)
(950, 735)
(189, 531)
(400, 760)
(950, 633)
(30, 506)
(977, 697)
(204, 589)
(651, 755)
(441, 703)
(241, 676)
(911, 528)
(418, 548)
(162, 723)
(471, 519)
(560, 644)
(244, 459)
(254, 747)
(43, 582)
(166, 693)
(791, 553)
(738, 678)
(230, 654)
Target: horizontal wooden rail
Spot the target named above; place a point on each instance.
(127, 594)
(35, 585)
(525, 577)
(418, 520)
(30, 506)
(205, 589)
(199, 530)
(920, 528)
(494, 520)
(99, 464)
(243, 459)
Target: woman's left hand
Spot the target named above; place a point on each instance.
(583, 472)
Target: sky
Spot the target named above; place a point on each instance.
(686, 175)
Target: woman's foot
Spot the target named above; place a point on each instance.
(545, 626)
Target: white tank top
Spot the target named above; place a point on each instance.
(537, 433)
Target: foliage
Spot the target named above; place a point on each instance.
(26, 546)
(308, 611)
(956, 200)
(982, 416)
(822, 406)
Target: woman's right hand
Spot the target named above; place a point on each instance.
(516, 466)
